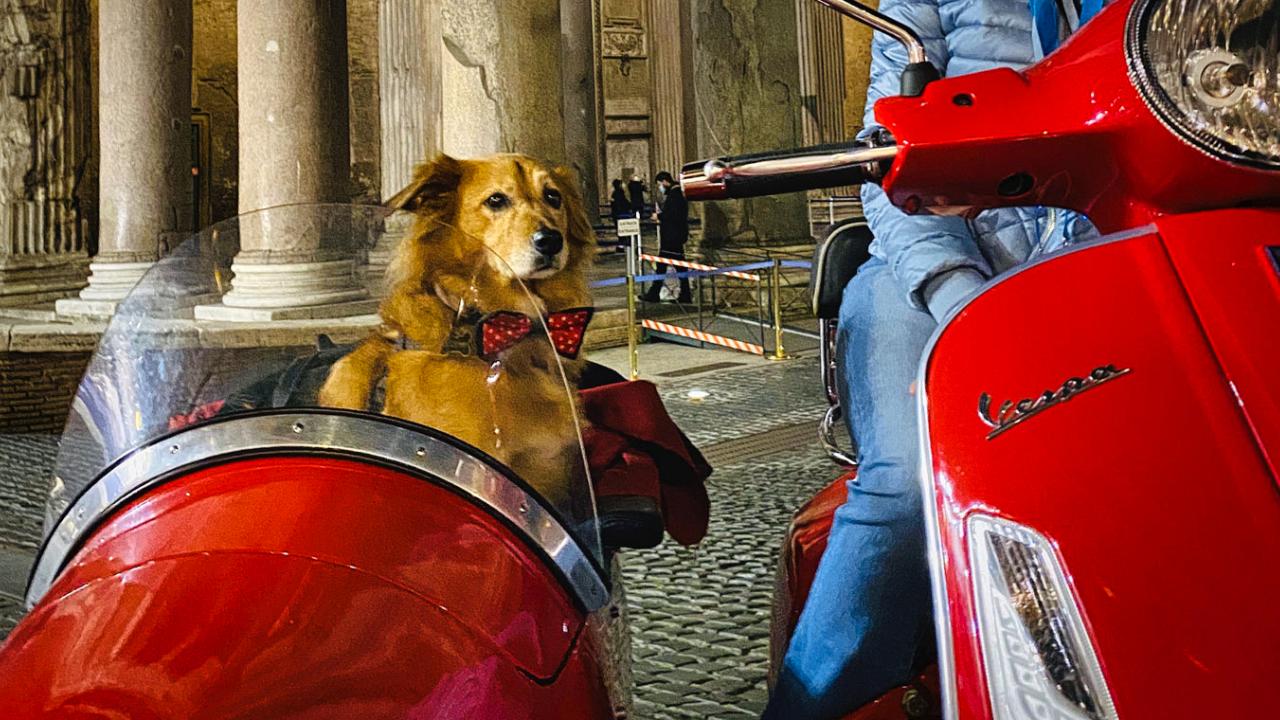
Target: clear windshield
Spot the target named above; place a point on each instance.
(461, 347)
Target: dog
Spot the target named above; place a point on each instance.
(505, 238)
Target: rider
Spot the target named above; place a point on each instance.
(868, 611)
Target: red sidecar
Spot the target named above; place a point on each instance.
(216, 546)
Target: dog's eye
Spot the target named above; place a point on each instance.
(552, 197)
(497, 201)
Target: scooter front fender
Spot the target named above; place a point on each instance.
(1122, 443)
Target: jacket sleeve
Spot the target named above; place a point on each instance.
(918, 249)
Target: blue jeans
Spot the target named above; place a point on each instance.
(869, 606)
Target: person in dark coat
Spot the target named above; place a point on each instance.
(673, 233)
(619, 204)
(636, 189)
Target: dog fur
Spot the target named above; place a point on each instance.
(470, 246)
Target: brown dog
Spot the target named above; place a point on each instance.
(504, 233)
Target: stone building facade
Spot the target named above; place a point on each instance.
(615, 88)
(126, 124)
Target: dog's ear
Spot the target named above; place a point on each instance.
(580, 230)
(432, 188)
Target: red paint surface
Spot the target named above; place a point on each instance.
(1151, 486)
(801, 550)
(303, 588)
(1075, 123)
(1233, 283)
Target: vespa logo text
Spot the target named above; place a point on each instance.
(1011, 413)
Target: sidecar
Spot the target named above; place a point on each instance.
(217, 545)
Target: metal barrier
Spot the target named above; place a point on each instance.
(705, 277)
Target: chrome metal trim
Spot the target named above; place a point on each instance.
(928, 484)
(883, 23)
(826, 435)
(367, 437)
(706, 181)
(827, 426)
(1162, 106)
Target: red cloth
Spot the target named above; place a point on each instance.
(634, 448)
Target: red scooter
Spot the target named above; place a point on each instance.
(1100, 428)
(217, 546)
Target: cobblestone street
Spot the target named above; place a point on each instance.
(699, 616)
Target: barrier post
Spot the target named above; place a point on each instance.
(775, 297)
(633, 261)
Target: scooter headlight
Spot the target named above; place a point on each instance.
(1210, 70)
(1038, 657)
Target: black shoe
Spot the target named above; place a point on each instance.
(684, 300)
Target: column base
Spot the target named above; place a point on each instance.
(40, 279)
(109, 283)
(226, 313)
(291, 291)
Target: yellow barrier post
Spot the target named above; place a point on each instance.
(633, 257)
(775, 296)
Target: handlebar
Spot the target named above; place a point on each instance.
(774, 173)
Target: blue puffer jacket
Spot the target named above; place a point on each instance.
(939, 260)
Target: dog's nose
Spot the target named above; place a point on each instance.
(548, 242)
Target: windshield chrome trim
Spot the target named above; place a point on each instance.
(364, 437)
(934, 548)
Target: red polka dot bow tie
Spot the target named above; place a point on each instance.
(501, 330)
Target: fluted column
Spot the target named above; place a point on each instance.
(672, 85)
(502, 78)
(578, 51)
(821, 44)
(409, 47)
(294, 148)
(144, 121)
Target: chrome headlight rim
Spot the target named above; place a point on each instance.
(1142, 75)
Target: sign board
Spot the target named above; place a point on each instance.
(628, 227)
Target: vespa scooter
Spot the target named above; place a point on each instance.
(1101, 428)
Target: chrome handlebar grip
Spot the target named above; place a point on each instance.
(783, 172)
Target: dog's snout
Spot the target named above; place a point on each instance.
(547, 241)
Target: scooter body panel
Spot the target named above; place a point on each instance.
(1150, 486)
(1229, 263)
(304, 587)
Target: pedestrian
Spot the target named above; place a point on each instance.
(869, 606)
(636, 189)
(619, 204)
(673, 233)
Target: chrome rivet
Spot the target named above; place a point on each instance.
(173, 449)
(299, 427)
(421, 451)
(524, 508)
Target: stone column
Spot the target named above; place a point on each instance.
(44, 150)
(672, 84)
(747, 87)
(409, 47)
(578, 53)
(501, 74)
(144, 137)
(294, 148)
(821, 45)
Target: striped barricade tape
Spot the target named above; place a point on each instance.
(704, 337)
(700, 266)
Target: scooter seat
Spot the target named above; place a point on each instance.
(842, 250)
